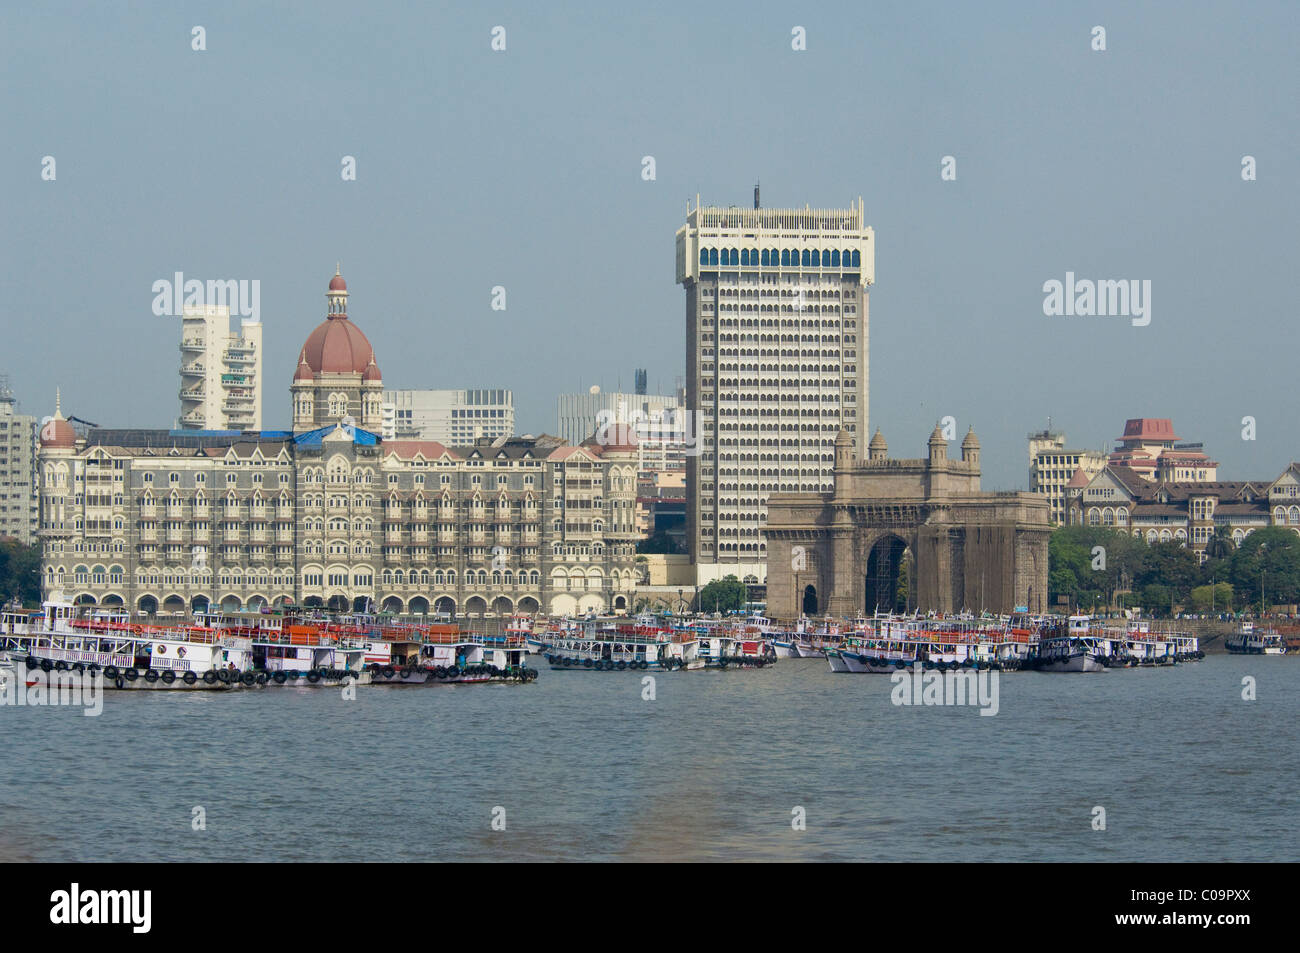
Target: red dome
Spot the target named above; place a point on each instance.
(337, 346)
(58, 433)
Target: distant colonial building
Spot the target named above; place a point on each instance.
(221, 370)
(1188, 512)
(1052, 464)
(841, 552)
(1150, 449)
(448, 416)
(330, 514)
(18, 512)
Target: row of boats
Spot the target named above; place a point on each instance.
(884, 643)
(223, 652)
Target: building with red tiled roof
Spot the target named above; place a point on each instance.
(1150, 447)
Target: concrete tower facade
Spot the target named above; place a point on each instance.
(776, 366)
(221, 371)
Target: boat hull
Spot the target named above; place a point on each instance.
(399, 677)
(1075, 663)
(57, 681)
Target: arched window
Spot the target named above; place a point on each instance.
(835, 258)
(785, 256)
(713, 256)
(704, 256)
(857, 258)
(763, 257)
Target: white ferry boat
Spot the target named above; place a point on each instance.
(889, 644)
(621, 646)
(749, 646)
(808, 640)
(303, 655)
(391, 661)
(1248, 640)
(453, 657)
(126, 655)
(1074, 650)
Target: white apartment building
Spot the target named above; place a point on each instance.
(451, 417)
(656, 419)
(18, 509)
(1052, 465)
(221, 371)
(776, 365)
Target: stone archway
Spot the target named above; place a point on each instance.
(883, 566)
(809, 606)
(338, 604)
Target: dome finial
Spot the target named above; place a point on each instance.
(58, 402)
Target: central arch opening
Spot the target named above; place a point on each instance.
(888, 582)
(810, 600)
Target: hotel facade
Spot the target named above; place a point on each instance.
(776, 366)
(331, 514)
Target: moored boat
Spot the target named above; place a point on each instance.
(58, 643)
(1248, 640)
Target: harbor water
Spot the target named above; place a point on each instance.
(723, 766)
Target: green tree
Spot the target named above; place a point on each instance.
(20, 572)
(1268, 557)
(904, 587)
(1171, 566)
(1216, 597)
(1091, 564)
(722, 595)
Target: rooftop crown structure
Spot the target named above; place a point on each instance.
(337, 379)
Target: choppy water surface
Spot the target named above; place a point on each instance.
(710, 770)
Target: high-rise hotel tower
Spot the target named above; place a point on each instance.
(776, 365)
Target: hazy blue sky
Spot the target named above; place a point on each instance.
(522, 169)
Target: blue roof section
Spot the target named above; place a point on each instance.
(312, 438)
